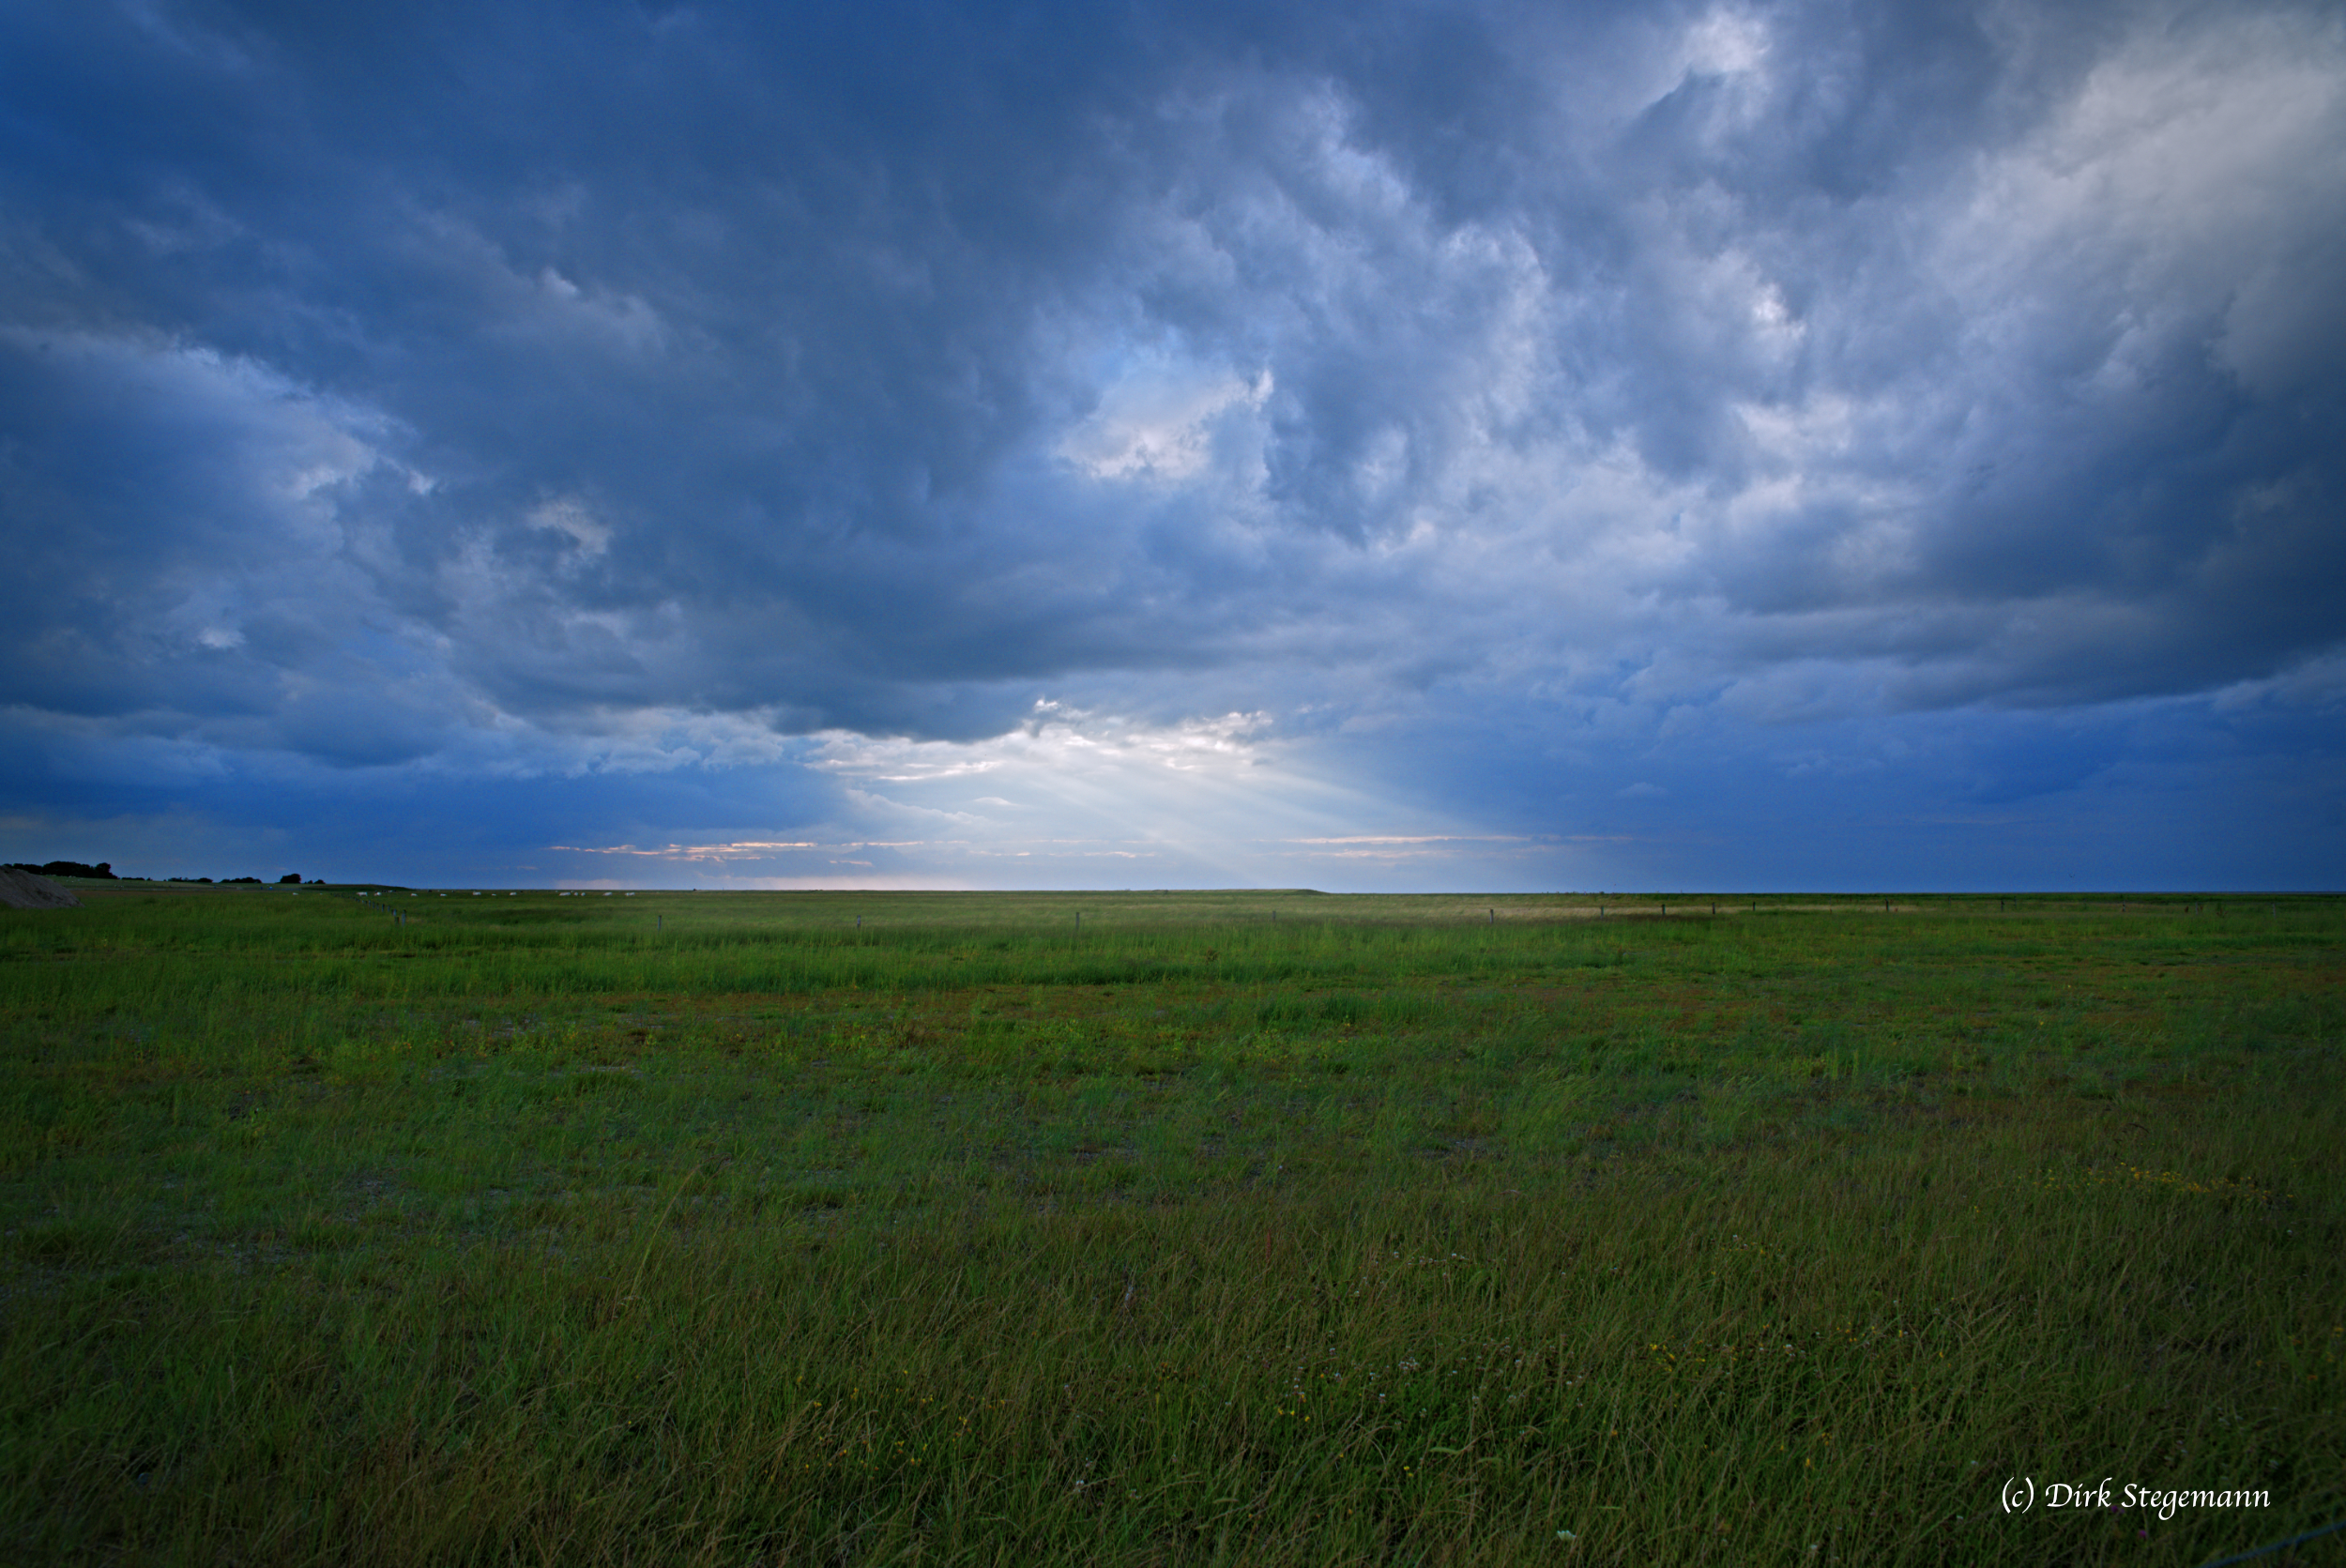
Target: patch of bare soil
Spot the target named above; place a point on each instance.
(25, 890)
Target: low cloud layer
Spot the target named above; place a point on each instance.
(1593, 446)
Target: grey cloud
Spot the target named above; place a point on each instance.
(859, 366)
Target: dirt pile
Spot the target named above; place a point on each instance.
(29, 889)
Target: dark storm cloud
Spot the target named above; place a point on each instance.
(514, 389)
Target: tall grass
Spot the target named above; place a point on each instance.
(1381, 1232)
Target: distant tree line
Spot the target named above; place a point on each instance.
(291, 878)
(104, 871)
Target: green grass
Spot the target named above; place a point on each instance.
(1248, 1228)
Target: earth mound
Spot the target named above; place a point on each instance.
(29, 889)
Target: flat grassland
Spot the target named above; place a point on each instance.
(1165, 1228)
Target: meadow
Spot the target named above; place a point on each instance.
(359, 1226)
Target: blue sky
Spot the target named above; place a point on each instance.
(1366, 447)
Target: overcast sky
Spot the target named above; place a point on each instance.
(1362, 446)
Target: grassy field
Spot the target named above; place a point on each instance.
(1141, 1228)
